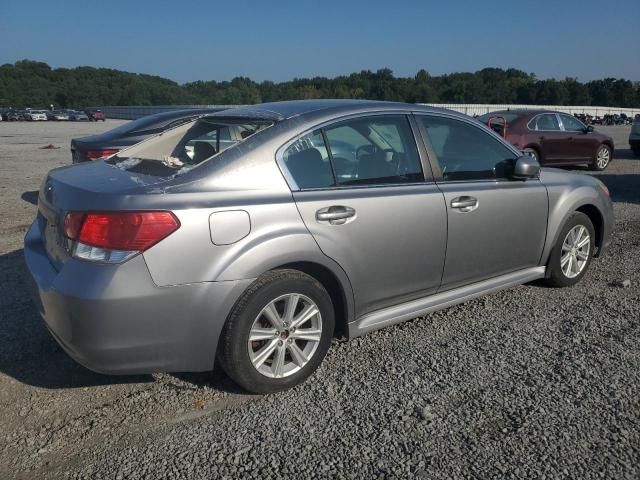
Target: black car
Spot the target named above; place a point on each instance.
(106, 144)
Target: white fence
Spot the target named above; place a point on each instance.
(131, 113)
(481, 109)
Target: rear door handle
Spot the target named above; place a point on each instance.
(335, 214)
(465, 203)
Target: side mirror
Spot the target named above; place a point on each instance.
(588, 128)
(526, 167)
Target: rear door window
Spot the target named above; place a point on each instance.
(307, 162)
(374, 150)
(547, 122)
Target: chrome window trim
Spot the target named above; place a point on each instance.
(321, 126)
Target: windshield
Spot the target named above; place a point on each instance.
(189, 145)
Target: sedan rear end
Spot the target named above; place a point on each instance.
(92, 279)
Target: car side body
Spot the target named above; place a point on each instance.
(384, 251)
(555, 138)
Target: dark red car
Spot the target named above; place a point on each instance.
(95, 115)
(554, 138)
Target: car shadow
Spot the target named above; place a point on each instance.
(28, 352)
(30, 197)
(622, 188)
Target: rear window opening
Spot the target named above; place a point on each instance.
(180, 149)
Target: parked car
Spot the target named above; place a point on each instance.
(95, 115)
(14, 115)
(57, 115)
(257, 251)
(634, 136)
(35, 115)
(76, 116)
(553, 138)
(108, 143)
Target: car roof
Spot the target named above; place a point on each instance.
(522, 111)
(277, 111)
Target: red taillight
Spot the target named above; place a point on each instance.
(127, 231)
(107, 152)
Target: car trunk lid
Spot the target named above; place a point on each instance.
(88, 186)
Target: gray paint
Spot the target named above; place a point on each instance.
(405, 252)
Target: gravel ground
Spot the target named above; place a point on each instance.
(529, 382)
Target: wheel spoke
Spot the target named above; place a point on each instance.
(574, 264)
(564, 260)
(278, 361)
(304, 315)
(583, 242)
(582, 255)
(310, 334)
(272, 315)
(290, 307)
(258, 333)
(298, 356)
(570, 264)
(264, 353)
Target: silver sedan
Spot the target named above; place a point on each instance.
(252, 236)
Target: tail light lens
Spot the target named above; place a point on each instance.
(96, 154)
(116, 236)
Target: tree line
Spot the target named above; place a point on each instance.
(30, 83)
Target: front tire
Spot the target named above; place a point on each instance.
(278, 332)
(572, 254)
(602, 158)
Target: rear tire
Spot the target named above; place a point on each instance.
(287, 346)
(602, 159)
(572, 254)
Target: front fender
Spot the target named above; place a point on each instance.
(568, 192)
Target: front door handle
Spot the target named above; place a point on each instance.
(465, 203)
(335, 215)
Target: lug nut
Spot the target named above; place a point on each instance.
(289, 340)
(280, 343)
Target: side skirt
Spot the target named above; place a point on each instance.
(416, 308)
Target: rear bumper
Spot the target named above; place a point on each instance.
(113, 319)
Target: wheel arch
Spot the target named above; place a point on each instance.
(338, 291)
(597, 219)
(556, 222)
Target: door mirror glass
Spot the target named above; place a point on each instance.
(526, 167)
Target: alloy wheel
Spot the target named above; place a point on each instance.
(575, 251)
(285, 335)
(603, 157)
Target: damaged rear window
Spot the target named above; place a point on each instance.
(177, 151)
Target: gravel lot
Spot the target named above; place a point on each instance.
(529, 382)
